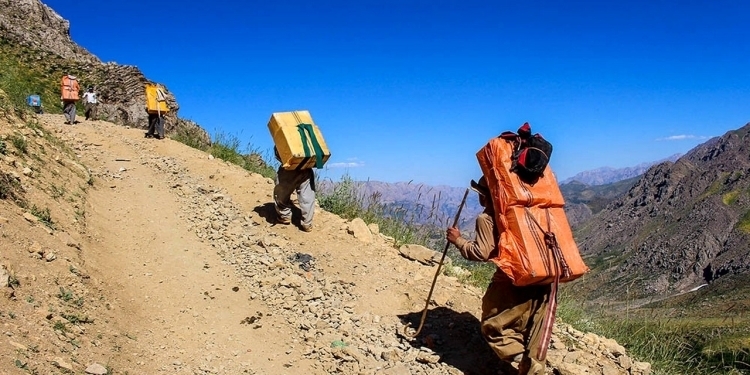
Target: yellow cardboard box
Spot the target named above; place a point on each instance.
(156, 99)
(298, 140)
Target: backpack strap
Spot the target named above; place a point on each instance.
(304, 131)
(561, 269)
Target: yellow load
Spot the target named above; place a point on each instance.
(156, 99)
(298, 140)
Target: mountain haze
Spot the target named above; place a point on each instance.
(608, 175)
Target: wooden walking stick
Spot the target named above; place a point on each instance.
(437, 272)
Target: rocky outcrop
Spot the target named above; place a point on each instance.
(34, 24)
(44, 37)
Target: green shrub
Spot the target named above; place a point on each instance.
(227, 147)
(191, 138)
(65, 295)
(345, 199)
(744, 223)
(43, 215)
(10, 188)
(19, 142)
(673, 345)
(730, 198)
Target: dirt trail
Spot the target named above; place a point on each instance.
(172, 293)
(180, 270)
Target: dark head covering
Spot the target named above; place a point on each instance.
(481, 187)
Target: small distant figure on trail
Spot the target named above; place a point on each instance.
(35, 102)
(511, 316)
(69, 97)
(90, 103)
(156, 107)
(301, 181)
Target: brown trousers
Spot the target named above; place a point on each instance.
(90, 111)
(512, 320)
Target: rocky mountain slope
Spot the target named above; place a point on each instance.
(125, 255)
(35, 36)
(583, 201)
(683, 224)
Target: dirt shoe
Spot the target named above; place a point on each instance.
(306, 228)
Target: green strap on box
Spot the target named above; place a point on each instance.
(304, 131)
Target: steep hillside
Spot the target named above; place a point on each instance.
(35, 43)
(124, 255)
(682, 224)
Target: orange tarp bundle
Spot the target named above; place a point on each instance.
(524, 213)
(69, 88)
(525, 257)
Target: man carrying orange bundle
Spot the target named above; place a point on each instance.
(525, 233)
(69, 97)
(511, 315)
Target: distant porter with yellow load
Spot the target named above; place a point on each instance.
(299, 142)
(156, 107)
(156, 99)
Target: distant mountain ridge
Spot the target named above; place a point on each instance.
(608, 175)
(585, 194)
(424, 204)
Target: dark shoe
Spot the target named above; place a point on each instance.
(283, 220)
(149, 135)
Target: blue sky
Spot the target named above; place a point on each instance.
(410, 90)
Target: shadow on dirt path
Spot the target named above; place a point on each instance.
(456, 338)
